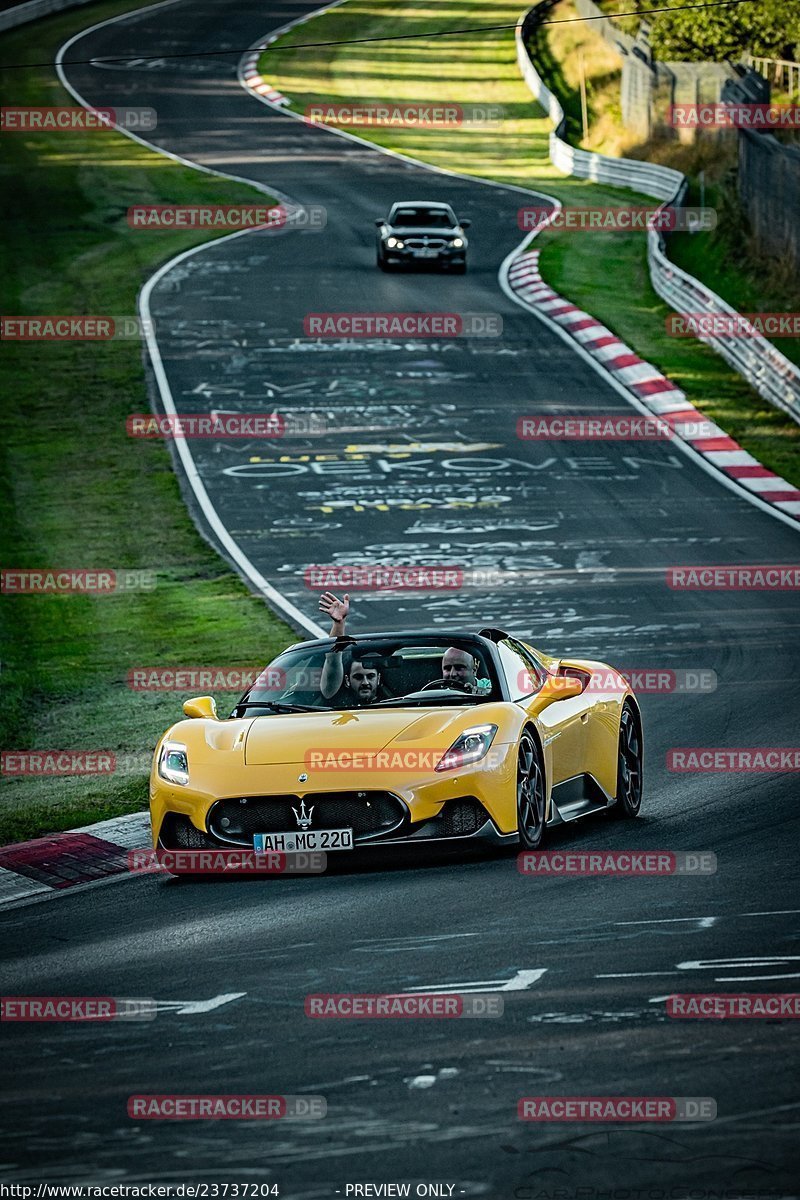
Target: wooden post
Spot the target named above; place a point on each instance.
(584, 113)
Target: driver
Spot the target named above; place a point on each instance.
(358, 686)
(460, 669)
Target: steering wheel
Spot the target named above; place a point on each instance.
(454, 684)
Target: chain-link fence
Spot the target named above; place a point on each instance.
(769, 191)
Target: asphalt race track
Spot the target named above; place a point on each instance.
(422, 465)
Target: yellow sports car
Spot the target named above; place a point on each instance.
(347, 743)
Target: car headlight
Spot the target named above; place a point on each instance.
(391, 242)
(457, 243)
(469, 747)
(173, 763)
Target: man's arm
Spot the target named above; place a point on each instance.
(332, 676)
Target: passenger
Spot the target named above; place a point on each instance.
(358, 686)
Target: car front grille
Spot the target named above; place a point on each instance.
(427, 244)
(368, 814)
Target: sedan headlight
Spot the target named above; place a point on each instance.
(457, 243)
(391, 242)
(173, 763)
(469, 747)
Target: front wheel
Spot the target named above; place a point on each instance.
(530, 794)
(629, 765)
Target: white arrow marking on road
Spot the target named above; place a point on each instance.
(186, 1008)
(519, 983)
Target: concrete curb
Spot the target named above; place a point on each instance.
(65, 860)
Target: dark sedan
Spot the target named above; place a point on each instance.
(419, 232)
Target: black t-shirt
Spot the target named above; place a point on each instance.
(347, 698)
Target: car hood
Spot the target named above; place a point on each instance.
(417, 231)
(293, 737)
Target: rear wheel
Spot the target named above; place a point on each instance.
(530, 794)
(629, 765)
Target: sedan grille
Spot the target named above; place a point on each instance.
(368, 814)
(426, 243)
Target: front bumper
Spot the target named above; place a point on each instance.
(380, 808)
(459, 821)
(409, 256)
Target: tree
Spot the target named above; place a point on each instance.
(764, 27)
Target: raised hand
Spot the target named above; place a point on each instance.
(336, 609)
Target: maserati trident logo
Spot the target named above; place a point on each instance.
(303, 817)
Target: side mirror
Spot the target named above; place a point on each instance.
(465, 224)
(561, 687)
(379, 221)
(201, 706)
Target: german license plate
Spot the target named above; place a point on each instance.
(297, 840)
(426, 253)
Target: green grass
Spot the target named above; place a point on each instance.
(604, 272)
(77, 492)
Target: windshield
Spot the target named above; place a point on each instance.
(418, 218)
(360, 673)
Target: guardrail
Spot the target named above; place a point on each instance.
(20, 14)
(755, 358)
